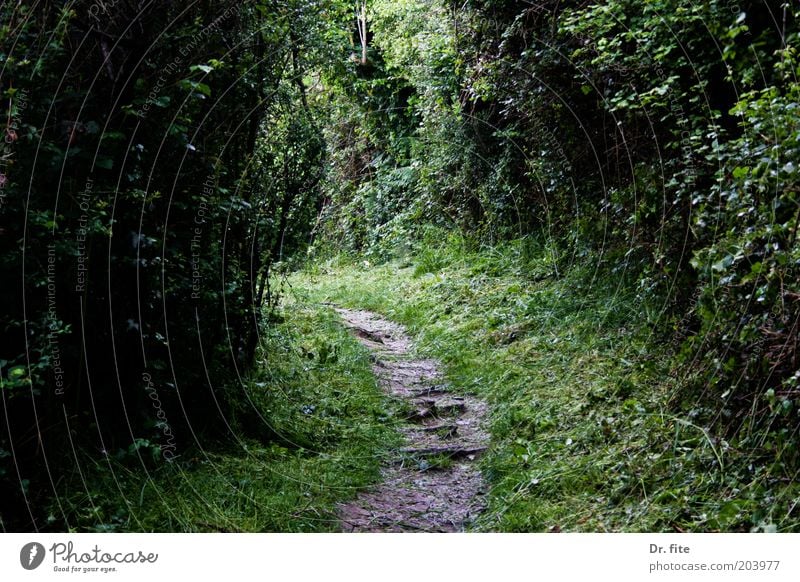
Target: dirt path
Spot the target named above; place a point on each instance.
(433, 484)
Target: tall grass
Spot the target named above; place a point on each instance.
(311, 432)
(587, 432)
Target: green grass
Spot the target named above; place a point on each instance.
(325, 433)
(584, 434)
(588, 429)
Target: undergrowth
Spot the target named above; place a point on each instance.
(592, 425)
(317, 429)
(583, 388)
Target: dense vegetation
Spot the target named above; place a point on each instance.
(589, 211)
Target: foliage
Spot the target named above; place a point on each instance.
(141, 212)
(320, 428)
(623, 172)
(658, 137)
(749, 302)
(583, 434)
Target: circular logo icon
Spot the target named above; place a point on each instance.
(31, 555)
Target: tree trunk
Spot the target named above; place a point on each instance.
(361, 16)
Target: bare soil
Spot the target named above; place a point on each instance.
(432, 484)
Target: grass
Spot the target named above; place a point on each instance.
(318, 430)
(585, 435)
(590, 430)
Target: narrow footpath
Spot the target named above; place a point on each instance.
(432, 484)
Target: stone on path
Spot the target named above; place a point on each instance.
(419, 492)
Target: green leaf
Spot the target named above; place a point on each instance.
(740, 172)
(722, 264)
(203, 88)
